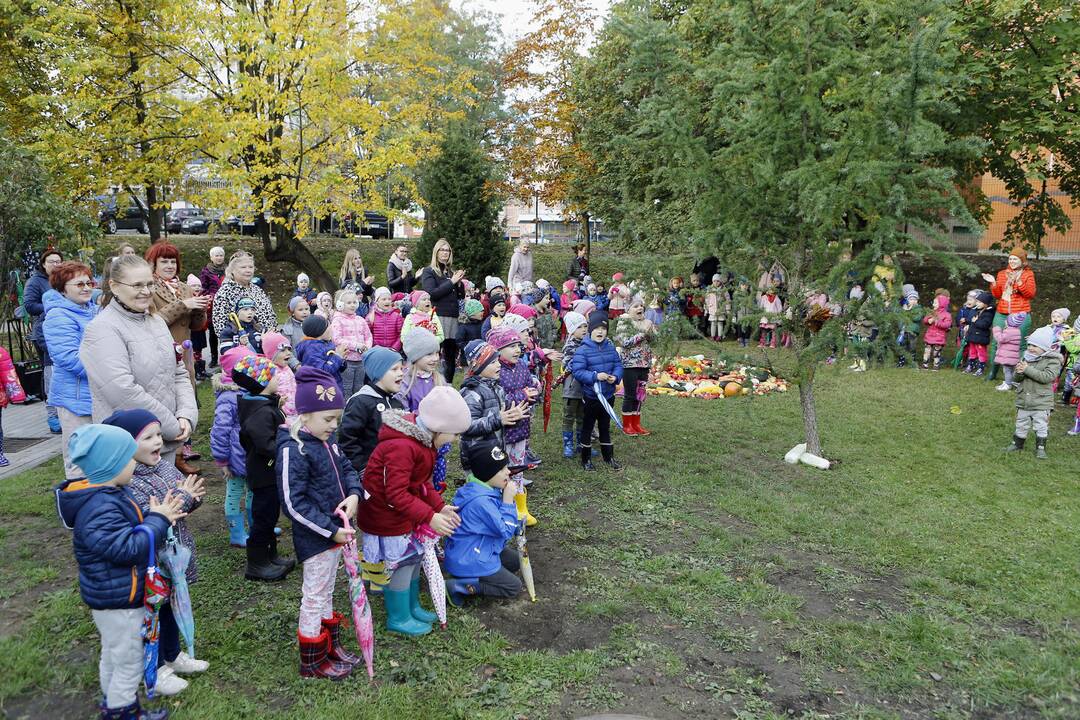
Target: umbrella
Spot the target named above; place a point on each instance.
(155, 593)
(607, 406)
(549, 384)
(436, 583)
(361, 610)
(176, 558)
(523, 553)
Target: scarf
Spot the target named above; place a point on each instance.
(1012, 277)
(405, 266)
(218, 270)
(1029, 357)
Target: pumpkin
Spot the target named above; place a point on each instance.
(732, 389)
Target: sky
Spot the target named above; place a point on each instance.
(515, 14)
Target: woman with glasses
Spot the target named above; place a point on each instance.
(131, 359)
(68, 310)
(238, 284)
(35, 290)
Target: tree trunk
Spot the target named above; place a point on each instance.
(588, 235)
(153, 213)
(281, 245)
(809, 412)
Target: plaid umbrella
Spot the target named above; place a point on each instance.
(155, 593)
(175, 559)
(361, 609)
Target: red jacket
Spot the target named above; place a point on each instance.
(1022, 292)
(398, 478)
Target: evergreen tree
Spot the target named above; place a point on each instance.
(460, 205)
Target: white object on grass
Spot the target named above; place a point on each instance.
(793, 455)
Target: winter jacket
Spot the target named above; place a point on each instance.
(63, 329)
(600, 301)
(468, 331)
(618, 296)
(131, 362)
(773, 307)
(11, 390)
(444, 294)
(634, 347)
(33, 294)
(398, 478)
(487, 524)
(210, 277)
(234, 336)
(591, 359)
(167, 302)
(286, 389)
(353, 332)
(547, 329)
(963, 318)
(515, 380)
(521, 268)
(578, 268)
(1008, 345)
(938, 322)
(717, 303)
(260, 417)
(358, 433)
(112, 557)
(225, 303)
(571, 387)
(486, 399)
(320, 354)
(491, 322)
(1035, 383)
(386, 328)
(314, 477)
(225, 444)
(415, 318)
(979, 329)
(155, 481)
(309, 296)
(1022, 292)
(418, 388)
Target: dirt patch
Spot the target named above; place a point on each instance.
(51, 705)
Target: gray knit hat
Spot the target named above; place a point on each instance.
(418, 343)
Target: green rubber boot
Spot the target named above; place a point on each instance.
(415, 609)
(399, 618)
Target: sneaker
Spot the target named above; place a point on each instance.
(4, 462)
(185, 664)
(168, 682)
(1003, 387)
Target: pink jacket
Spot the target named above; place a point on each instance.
(286, 389)
(938, 322)
(386, 328)
(351, 331)
(1008, 345)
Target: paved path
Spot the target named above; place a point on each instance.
(27, 421)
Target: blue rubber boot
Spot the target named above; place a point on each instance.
(457, 589)
(235, 489)
(54, 424)
(237, 533)
(415, 608)
(568, 444)
(399, 617)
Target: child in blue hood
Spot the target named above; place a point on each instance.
(477, 554)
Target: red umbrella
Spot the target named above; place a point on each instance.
(549, 383)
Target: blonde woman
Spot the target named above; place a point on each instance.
(354, 276)
(443, 284)
(237, 284)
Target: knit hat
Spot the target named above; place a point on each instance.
(377, 362)
(909, 293)
(473, 306)
(523, 310)
(1016, 319)
(542, 284)
(194, 282)
(314, 326)
(491, 282)
(419, 343)
(1063, 311)
(1020, 253)
(443, 410)
(230, 357)
(585, 307)
(272, 343)
(382, 292)
(597, 319)
(319, 297)
(486, 460)
(479, 355)
(569, 286)
(502, 337)
(134, 421)
(574, 320)
(253, 373)
(985, 298)
(302, 277)
(415, 295)
(101, 451)
(497, 296)
(514, 323)
(316, 391)
(617, 277)
(294, 302)
(587, 280)
(245, 303)
(1042, 337)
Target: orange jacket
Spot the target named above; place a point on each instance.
(1022, 292)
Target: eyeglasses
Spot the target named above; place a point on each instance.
(139, 287)
(83, 285)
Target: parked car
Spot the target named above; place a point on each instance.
(132, 217)
(204, 222)
(174, 218)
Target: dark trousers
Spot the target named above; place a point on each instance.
(449, 356)
(505, 583)
(632, 378)
(573, 414)
(213, 338)
(265, 507)
(596, 416)
(169, 638)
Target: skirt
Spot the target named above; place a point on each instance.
(449, 326)
(393, 550)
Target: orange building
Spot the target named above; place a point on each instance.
(1004, 209)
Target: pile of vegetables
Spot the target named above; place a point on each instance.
(698, 377)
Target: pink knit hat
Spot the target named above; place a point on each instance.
(444, 410)
(585, 307)
(229, 359)
(272, 342)
(415, 295)
(502, 337)
(525, 311)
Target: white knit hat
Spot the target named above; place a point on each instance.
(574, 320)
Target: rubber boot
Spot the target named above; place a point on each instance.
(415, 607)
(1065, 396)
(259, 566)
(4, 462)
(1040, 448)
(1016, 445)
(315, 660)
(593, 453)
(567, 444)
(586, 457)
(133, 711)
(399, 617)
(376, 576)
(521, 500)
(608, 451)
(237, 534)
(457, 589)
(185, 467)
(332, 627)
(628, 424)
(189, 453)
(637, 426)
(280, 560)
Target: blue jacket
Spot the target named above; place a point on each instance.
(487, 523)
(225, 444)
(63, 329)
(601, 301)
(33, 292)
(112, 557)
(311, 484)
(591, 359)
(320, 354)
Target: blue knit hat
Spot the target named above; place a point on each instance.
(134, 421)
(378, 361)
(101, 451)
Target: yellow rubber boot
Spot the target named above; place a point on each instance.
(523, 509)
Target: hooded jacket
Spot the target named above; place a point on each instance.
(225, 444)
(386, 327)
(65, 323)
(571, 387)
(591, 359)
(112, 557)
(321, 355)
(353, 332)
(486, 399)
(260, 417)
(979, 328)
(1008, 345)
(487, 523)
(938, 322)
(358, 433)
(1034, 384)
(515, 381)
(156, 481)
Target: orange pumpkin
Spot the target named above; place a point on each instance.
(732, 389)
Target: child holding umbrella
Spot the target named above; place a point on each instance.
(597, 364)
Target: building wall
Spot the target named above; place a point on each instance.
(1004, 209)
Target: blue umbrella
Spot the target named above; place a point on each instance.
(607, 405)
(155, 593)
(176, 558)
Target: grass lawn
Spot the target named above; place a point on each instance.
(926, 576)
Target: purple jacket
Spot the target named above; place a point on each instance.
(515, 379)
(210, 280)
(416, 392)
(225, 433)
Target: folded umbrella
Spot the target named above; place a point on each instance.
(155, 593)
(523, 555)
(549, 384)
(428, 538)
(361, 610)
(607, 406)
(175, 559)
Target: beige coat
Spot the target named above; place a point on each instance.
(167, 302)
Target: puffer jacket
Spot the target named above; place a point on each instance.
(33, 304)
(320, 354)
(979, 329)
(386, 328)
(260, 417)
(358, 433)
(468, 331)
(398, 479)
(112, 557)
(286, 388)
(225, 304)
(591, 359)
(938, 322)
(1035, 383)
(486, 399)
(1008, 345)
(294, 331)
(515, 380)
(131, 362)
(65, 323)
(225, 444)
(353, 332)
(155, 481)
(571, 387)
(314, 477)
(487, 524)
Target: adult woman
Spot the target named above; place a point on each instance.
(579, 264)
(399, 271)
(353, 276)
(131, 359)
(68, 310)
(238, 284)
(443, 284)
(1014, 288)
(521, 265)
(35, 290)
(211, 277)
(173, 301)
(126, 249)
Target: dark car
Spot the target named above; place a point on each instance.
(132, 217)
(174, 218)
(204, 222)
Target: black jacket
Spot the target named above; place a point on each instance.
(486, 399)
(260, 417)
(468, 331)
(444, 294)
(360, 424)
(578, 269)
(397, 282)
(979, 332)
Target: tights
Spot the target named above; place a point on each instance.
(633, 378)
(596, 416)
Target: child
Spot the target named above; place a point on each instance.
(910, 324)
(743, 305)
(770, 303)
(278, 350)
(112, 557)
(521, 390)
(385, 321)
(964, 316)
(1008, 347)
(937, 324)
(488, 411)
(695, 311)
(400, 499)
(477, 554)
(1059, 321)
(422, 315)
(317, 350)
(324, 305)
(676, 303)
(260, 416)
(1034, 377)
(633, 333)
(573, 403)
(293, 328)
(350, 332)
(546, 323)
(154, 480)
(491, 284)
(569, 296)
(314, 480)
(472, 327)
(11, 391)
(597, 362)
(225, 445)
(618, 296)
(242, 328)
(978, 334)
(717, 307)
(304, 291)
(498, 312)
(1071, 346)
(596, 297)
(422, 354)
(360, 423)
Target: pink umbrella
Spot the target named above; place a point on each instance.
(361, 610)
(436, 583)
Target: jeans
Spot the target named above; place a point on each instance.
(596, 416)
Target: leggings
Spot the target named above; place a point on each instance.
(170, 635)
(976, 352)
(633, 378)
(317, 601)
(573, 416)
(402, 575)
(595, 416)
(449, 356)
(716, 328)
